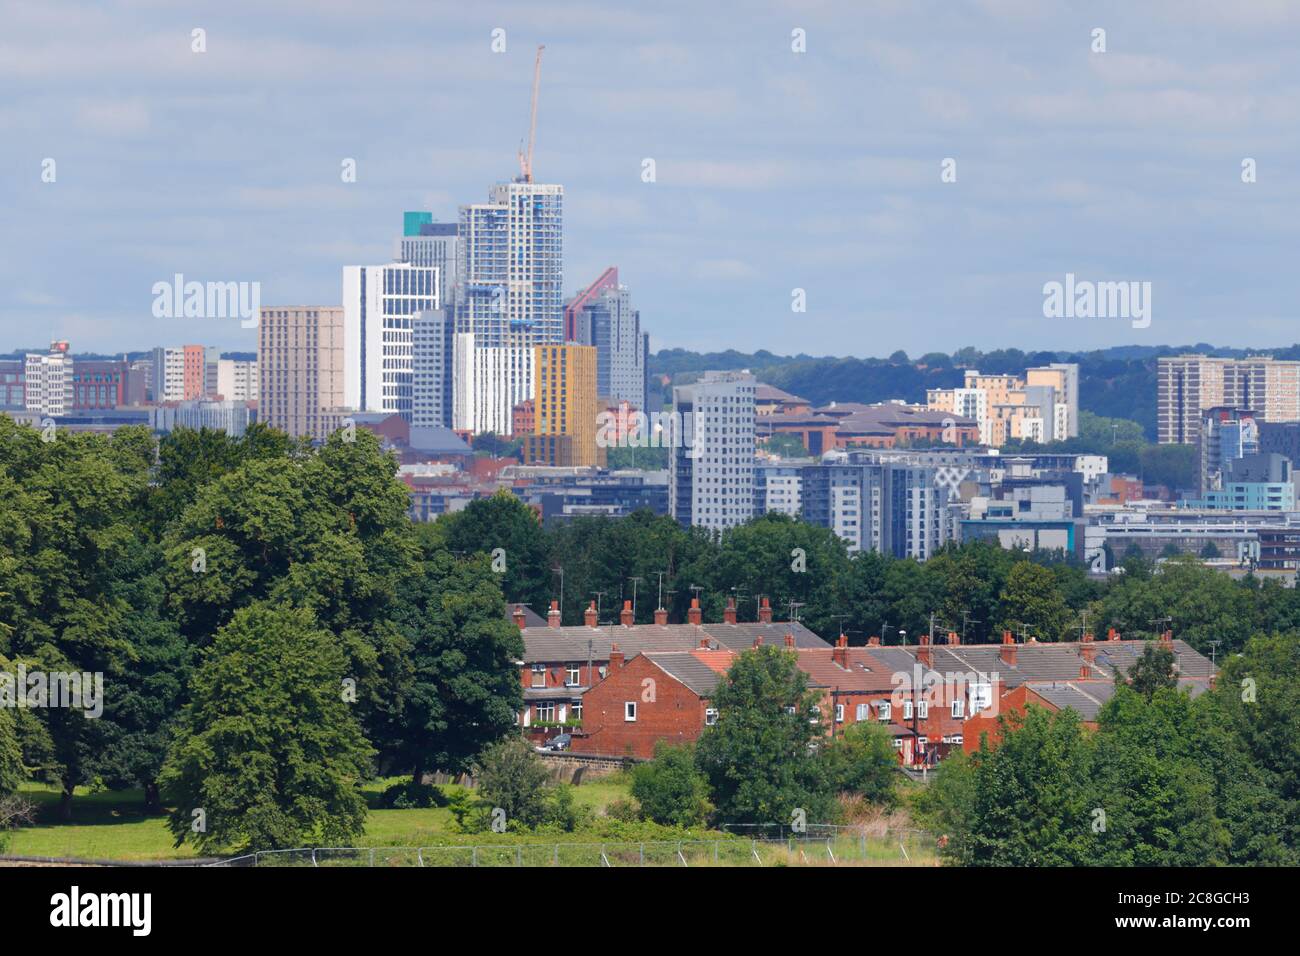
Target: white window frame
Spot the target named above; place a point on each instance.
(629, 711)
(923, 710)
(884, 710)
(539, 670)
(573, 675)
(864, 712)
(710, 716)
(958, 709)
(907, 710)
(839, 713)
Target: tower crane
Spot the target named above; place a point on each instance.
(526, 159)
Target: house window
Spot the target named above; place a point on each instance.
(884, 709)
(839, 713)
(571, 677)
(907, 710)
(544, 710)
(862, 712)
(576, 710)
(629, 710)
(539, 675)
(898, 743)
(710, 716)
(923, 709)
(958, 708)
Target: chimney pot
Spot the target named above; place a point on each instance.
(789, 640)
(1007, 638)
(765, 612)
(625, 617)
(661, 616)
(1008, 650)
(553, 615)
(953, 638)
(1112, 634)
(729, 613)
(695, 615)
(615, 658)
(518, 616)
(589, 615)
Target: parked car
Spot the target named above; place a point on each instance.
(557, 743)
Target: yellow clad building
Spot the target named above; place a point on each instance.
(565, 404)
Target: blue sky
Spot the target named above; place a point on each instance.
(775, 170)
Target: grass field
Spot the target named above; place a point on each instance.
(113, 825)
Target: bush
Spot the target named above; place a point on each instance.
(861, 760)
(512, 777)
(670, 789)
(409, 795)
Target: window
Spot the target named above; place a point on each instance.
(710, 717)
(571, 677)
(839, 713)
(923, 709)
(958, 709)
(544, 711)
(629, 710)
(539, 675)
(907, 710)
(884, 709)
(576, 710)
(863, 712)
(898, 743)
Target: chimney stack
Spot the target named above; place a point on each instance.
(695, 615)
(661, 616)
(1112, 634)
(873, 641)
(765, 612)
(953, 638)
(729, 612)
(705, 645)
(1008, 649)
(518, 616)
(625, 616)
(589, 615)
(1167, 640)
(553, 615)
(758, 641)
(1084, 673)
(615, 659)
(1086, 650)
(789, 641)
(924, 653)
(840, 652)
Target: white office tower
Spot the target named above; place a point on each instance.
(49, 380)
(435, 245)
(431, 373)
(168, 375)
(488, 383)
(510, 270)
(380, 304)
(712, 475)
(237, 380)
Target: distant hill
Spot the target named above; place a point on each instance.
(1118, 382)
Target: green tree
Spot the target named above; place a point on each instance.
(759, 758)
(670, 789)
(512, 778)
(508, 531)
(463, 689)
(268, 754)
(1153, 671)
(1032, 599)
(862, 760)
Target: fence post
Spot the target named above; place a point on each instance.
(473, 856)
(715, 851)
(643, 854)
(372, 856)
(556, 858)
(519, 855)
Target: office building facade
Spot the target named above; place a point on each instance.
(300, 365)
(711, 475)
(380, 304)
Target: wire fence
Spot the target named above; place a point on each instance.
(815, 845)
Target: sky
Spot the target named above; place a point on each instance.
(774, 170)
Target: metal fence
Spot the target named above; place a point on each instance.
(817, 845)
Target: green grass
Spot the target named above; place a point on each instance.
(112, 825)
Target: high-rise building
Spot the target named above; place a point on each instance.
(432, 380)
(49, 380)
(565, 407)
(510, 266)
(433, 245)
(300, 369)
(13, 383)
(487, 383)
(1188, 385)
(1226, 434)
(168, 379)
(194, 372)
(711, 478)
(602, 316)
(236, 380)
(380, 304)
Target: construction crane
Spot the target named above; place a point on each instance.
(526, 159)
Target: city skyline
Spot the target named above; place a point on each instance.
(1123, 165)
